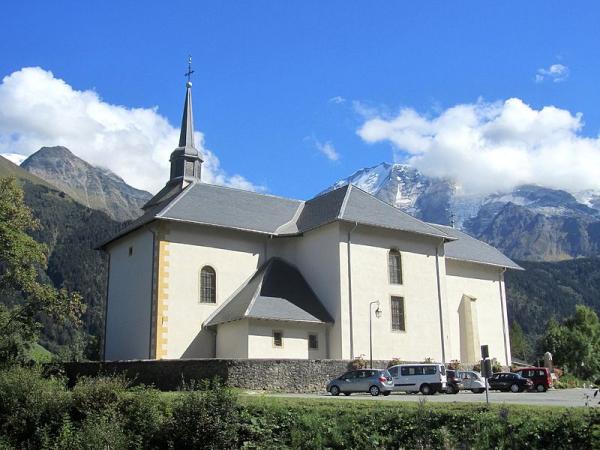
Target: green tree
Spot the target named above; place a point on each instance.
(575, 345)
(22, 263)
(519, 346)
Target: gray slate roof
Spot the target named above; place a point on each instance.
(467, 248)
(276, 291)
(225, 207)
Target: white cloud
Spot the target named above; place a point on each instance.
(328, 150)
(14, 158)
(37, 109)
(556, 73)
(337, 100)
(488, 147)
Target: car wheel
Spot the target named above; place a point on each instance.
(386, 393)
(346, 394)
(478, 391)
(334, 390)
(426, 389)
(375, 391)
(540, 388)
(515, 388)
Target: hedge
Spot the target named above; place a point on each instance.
(99, 413)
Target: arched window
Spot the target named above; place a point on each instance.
(208, 285)
(395, 266)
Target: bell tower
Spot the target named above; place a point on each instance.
(186, 162)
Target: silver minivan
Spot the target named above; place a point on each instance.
(424, 378)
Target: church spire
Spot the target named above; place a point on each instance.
(186, 138)
(185, 159)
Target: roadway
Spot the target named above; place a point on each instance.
(553, 397)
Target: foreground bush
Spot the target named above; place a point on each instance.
(103, 412)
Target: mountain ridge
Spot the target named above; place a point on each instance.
(94, 187)
(530, 222)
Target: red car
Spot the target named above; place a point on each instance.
(540, 376)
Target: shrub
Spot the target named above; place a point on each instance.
(427, 360)
(358, 363)
(205, 419)
(144, 414)
(93, 394)
(30, 403)
(496, 366)
(454, 365)
(394, 362)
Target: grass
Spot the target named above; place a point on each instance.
(40, 354)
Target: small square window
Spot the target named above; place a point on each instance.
(313, 341)
(130, 251)
(277, 339)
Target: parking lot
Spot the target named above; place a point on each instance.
(553, 397)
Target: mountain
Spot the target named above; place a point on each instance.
(91, 186)
(70, 231)
(551, 289)
(529, 223)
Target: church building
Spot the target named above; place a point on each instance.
(213, 272)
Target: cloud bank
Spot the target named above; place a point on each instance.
(38, 109)
(487, 147)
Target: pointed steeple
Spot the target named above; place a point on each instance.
(185, 160)
(186, 137)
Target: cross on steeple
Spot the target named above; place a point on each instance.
(189, 72)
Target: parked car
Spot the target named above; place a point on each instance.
(507, 381)
(374, 381)
(424, 378)
(453, 383)
(471, 381)
(539, 376)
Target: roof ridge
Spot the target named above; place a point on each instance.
(322, 194)
(293, 220)
(345, 201)
(233, 295)
(397, 209)
(174, 200)
(265, 268)
(246, 190)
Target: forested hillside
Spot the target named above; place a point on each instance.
(551, 289)
(70, 231)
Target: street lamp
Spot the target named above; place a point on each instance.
(378, 315)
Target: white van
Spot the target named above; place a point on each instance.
(424, 378)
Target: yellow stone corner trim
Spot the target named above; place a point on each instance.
(161, 320)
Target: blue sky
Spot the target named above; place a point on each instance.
(266, 72)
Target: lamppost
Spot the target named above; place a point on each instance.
(378, 315)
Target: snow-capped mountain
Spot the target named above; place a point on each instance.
(529, 222)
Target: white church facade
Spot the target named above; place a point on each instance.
(213, 272)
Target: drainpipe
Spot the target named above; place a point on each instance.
(503, 305)
(153, 279)
(439, 291)
(106, 309)
(350, 290)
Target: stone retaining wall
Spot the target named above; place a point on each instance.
(287, 375)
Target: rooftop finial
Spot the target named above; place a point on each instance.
(189, 72)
